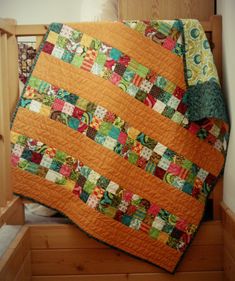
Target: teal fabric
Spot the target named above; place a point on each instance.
(205, 100)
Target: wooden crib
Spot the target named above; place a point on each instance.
(62, 252)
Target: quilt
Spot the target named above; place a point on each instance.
(122, 127)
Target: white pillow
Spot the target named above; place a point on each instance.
(99, 10)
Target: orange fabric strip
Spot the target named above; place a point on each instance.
(108, 164)
(96, 224)
(135, 45)
(104, 93)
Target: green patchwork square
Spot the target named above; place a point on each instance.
(164, 97)
(172, 242)
(60, 156)
(168, 228)
(168, 111)
(56, 27)
(76, 36)
(82, 103)
(77, 60)
(95, 44)
(190, 178)
(169, 154)
(142, 71)
(177, 117)
(70, 98)
(129, 74)
(103, 182)
(99, 138)
(118, 122)
(115, 54)
(85, 171)
(153, 232)
(91, 107)
(188, 188)
(118, 148)
(133, 65)
(88, 187)
(43, 87)
(100, 59)
(164, 28)
(186, 164)
(140, 26)
(62, 42)
(74, 175)
(150, 167)
(48, 100)
(22, 140)
(105, 127)
(67, 56)
(73, 123)
(55, 165)
(114, 132)
(141, 95)
(160, 82)
(133, 157)
(123, 84)
(32, 168)
(34, 82)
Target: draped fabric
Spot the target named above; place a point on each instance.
(122, 127)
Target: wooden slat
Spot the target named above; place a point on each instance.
(31, 30)
(70, 237)
(40, 29)
(217, 196)
(13, 71)
(7, 27)
(109, 261)
(24, 273)
(5, 186)
(192, 276)
(166, 9)
(13, 213)
(13, 258)
(228, 220)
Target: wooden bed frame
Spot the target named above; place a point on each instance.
(62, 252)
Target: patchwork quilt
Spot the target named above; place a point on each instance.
(122, 128)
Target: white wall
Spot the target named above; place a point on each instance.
(47, 11)
(227, 8)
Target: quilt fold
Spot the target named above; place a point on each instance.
(122, 127)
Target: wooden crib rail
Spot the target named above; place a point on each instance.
(11, 208)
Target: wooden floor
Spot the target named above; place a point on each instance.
(62, 252)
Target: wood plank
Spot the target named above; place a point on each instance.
(65, 236)
(192, 276)
(31, 30)
(5, 187)
(228, 220)
(13, 70)
(7, 27)
(229, 266)
(40, 29)
(13, 212)
(217, 195)
(109, 261)
(24, 273)
(166, 9)
(13, 258)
